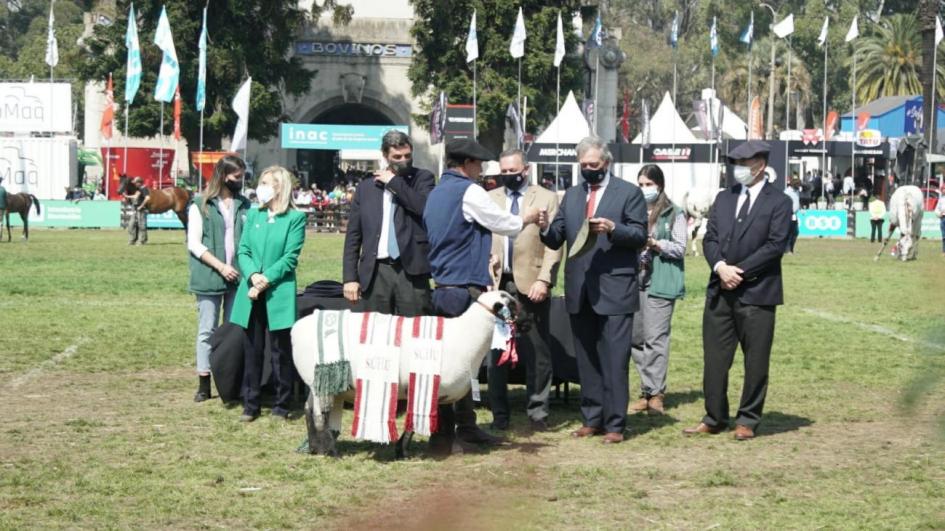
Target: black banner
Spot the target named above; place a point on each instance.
(460, 122)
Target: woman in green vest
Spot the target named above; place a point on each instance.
(265, 299)
(216, 221)
(662, 281)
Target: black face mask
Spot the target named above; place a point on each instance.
(233, 186)
(402, 167)
(593, 176)
(513, 181)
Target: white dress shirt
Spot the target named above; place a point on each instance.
(507, 267)
(479, 207)
(195, 231)
(750, 194)
(387, 202)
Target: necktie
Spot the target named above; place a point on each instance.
(392, 249)
(743, 211)
(592, 201)
(511, 239)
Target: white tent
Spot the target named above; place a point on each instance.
(667, 127)
(569, 127)
(733, 127)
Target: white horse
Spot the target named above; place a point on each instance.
(905, 213)
(466, 341)
(698, 202)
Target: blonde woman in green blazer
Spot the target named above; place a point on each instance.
(264, 306)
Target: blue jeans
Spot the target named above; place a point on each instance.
(208, 318)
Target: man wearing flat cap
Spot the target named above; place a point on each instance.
(745, 238)
(460, 218)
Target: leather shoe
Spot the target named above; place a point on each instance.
(248, 417)
(586, 431)
(613, 438)
(743, 433)
(638, 407)
(702, 428)
(538, 425)
(655, 405)
(477, 436)
(201, 396)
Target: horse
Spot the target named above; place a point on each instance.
(19, 203)
(173, 198)
(697, 203)
(905, 214)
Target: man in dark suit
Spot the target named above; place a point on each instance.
(600, 284)
(385, 264)
(745, 238)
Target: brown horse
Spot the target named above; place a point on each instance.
(19, 203)
(173, 198)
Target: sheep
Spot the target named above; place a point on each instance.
(905, 213)
(697, 203)
(466, 341)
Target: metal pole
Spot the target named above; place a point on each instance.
(932, 116)
(557, 124)
(596, 86)
(200, 150)
(787, 113)
(673, 162)
(823, 157)
(769, 130)
(475, 108)
(161, 150)
(524, 120)
(853, 139)
(520, 88)
(748, 108)
(124, 168)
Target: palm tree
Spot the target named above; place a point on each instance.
(889, 60)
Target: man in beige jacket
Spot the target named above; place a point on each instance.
(527, 269)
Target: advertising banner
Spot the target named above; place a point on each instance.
(44, 167)
(165, 220)
(335, 137)
(459, 122)
(206, 160)
(74, 214)
(822, 223)
(931, 227)
(142, 162)
(35, 107)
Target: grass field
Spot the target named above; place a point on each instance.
(99, 429)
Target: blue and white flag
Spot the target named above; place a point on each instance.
(133, 65)
(52, 45)
(749, 32)
(169, 75)
(202, 69)
(674, 32)
(596, 38)
(714, 39)
(472, 41)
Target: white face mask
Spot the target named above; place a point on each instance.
(650, 193)
(743, 175)
(264, 193)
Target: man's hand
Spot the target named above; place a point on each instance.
(731, 276)
(229, 273)
(601, 225)
(543, 220)
(384, 176)
(495, 270)
(538, 292)
(352, 291)
(253, 293)
(260, 282)
(530, 215)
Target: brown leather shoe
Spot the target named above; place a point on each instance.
(702, 428)
(586, 431)
(613, 438)
(743, 433)
(655, 405)
(637, 407)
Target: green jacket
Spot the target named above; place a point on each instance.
(271, 249)
(668, 279)
(204, 280)
(3, 198)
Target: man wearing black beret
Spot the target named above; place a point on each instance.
(745, 238)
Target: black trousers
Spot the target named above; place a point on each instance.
(726, 324)
(461, 416)
(602, 347)
(394, 292)
(533, 350)
(254, 349)
(876, 230)
(792, 237)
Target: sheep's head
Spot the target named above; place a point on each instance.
(503, 305)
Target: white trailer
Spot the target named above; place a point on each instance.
(44, 167)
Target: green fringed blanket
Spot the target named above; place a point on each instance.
(332, 370)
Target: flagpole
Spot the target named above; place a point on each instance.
(823, 157)
(853, 138)
(675, 110)
(161, 150)
(932, 116)
(200, 150)
(520, 93)
(787, 112)
(557, 123)
(748, 108)
(596, 87)
(475, 107)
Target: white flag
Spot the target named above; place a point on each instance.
(785, 27)
(823, 32)
(169, 74)
(241, 108)
(517, 47)
(853, 33)
(52, 46)
(938, 30)
(472, 41)
(559, 43)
